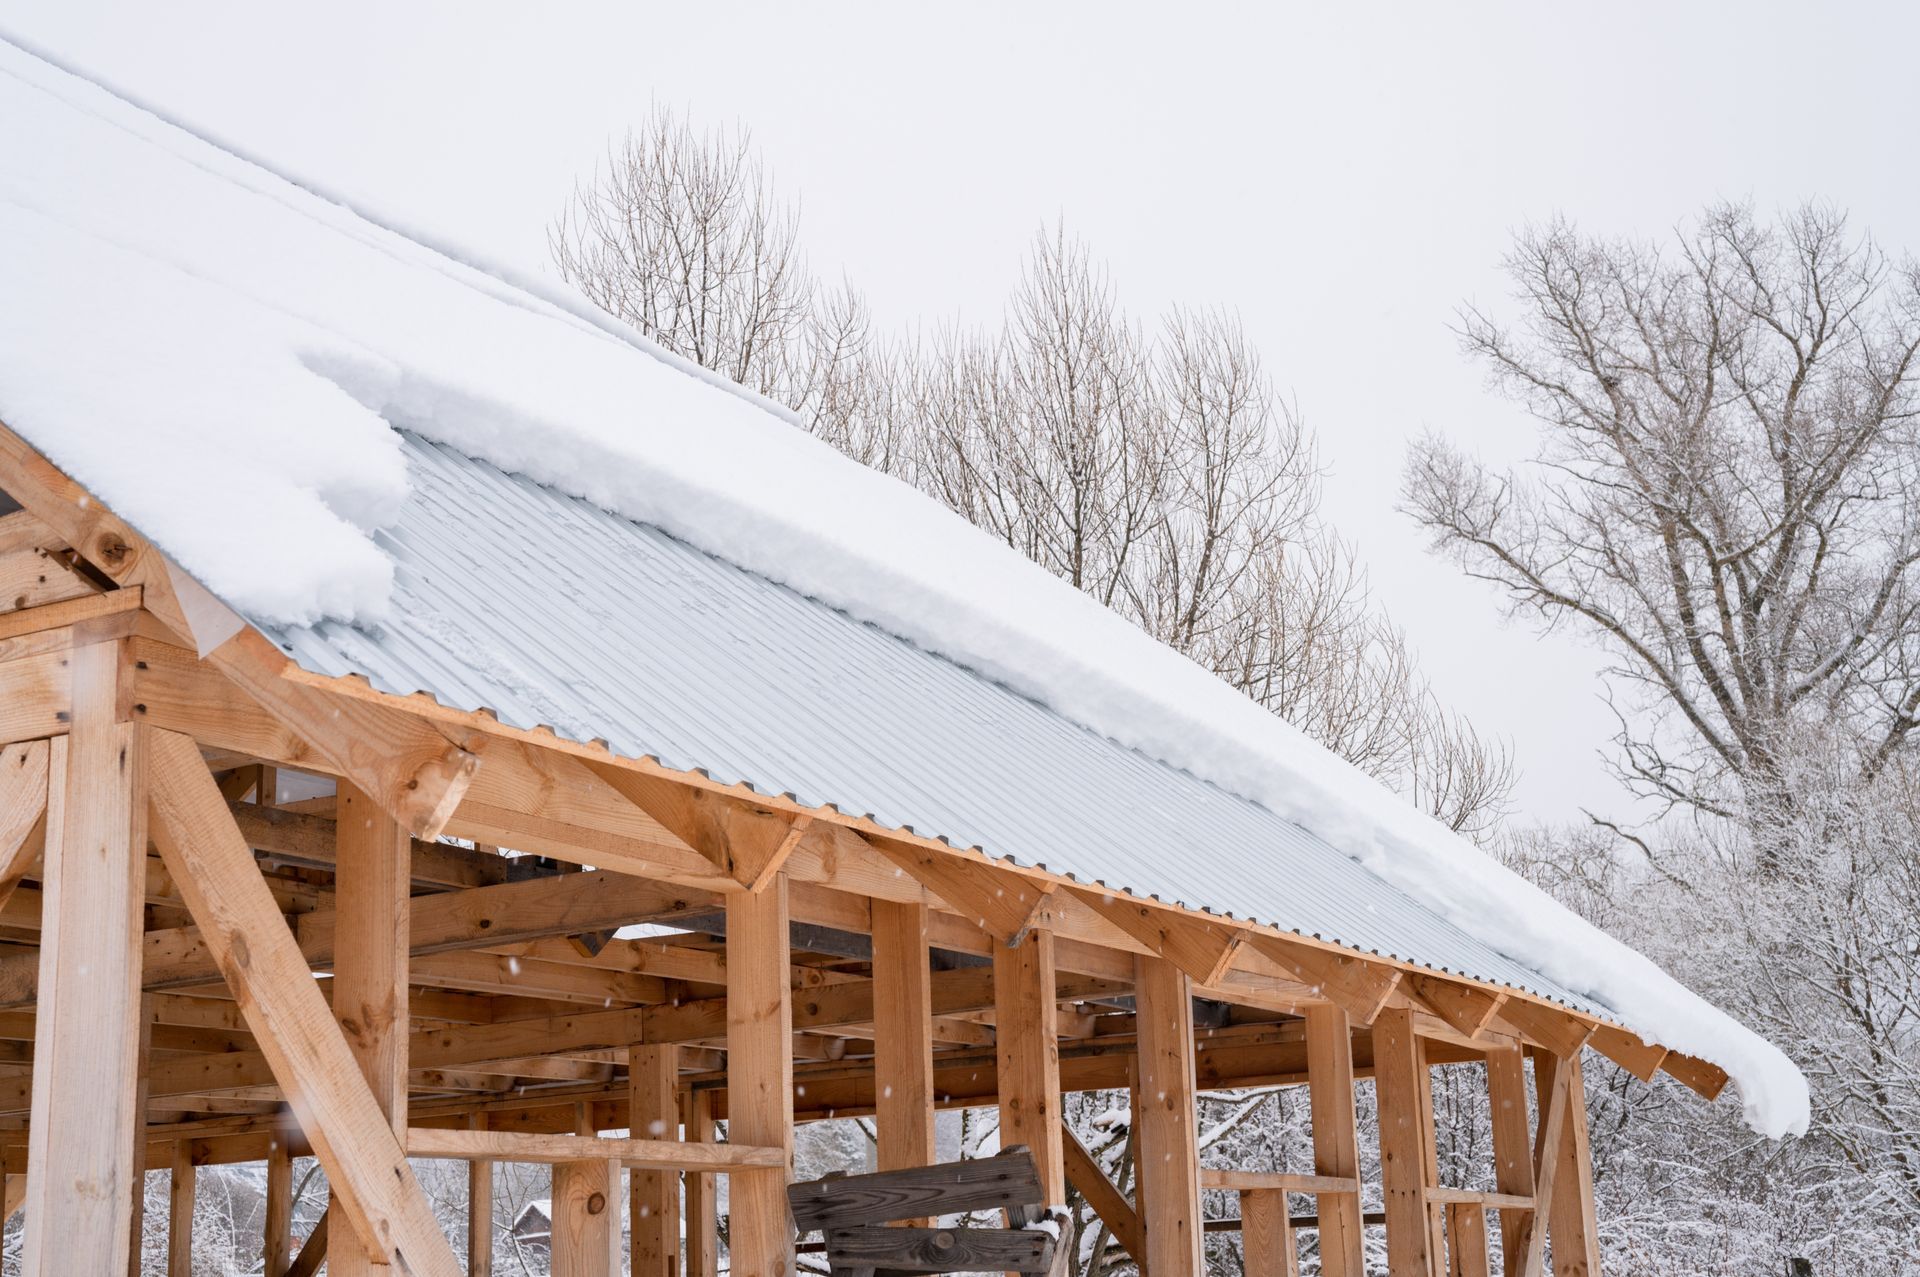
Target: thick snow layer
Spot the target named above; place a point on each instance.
(221, 354)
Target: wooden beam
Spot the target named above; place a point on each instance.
(353, 1138)
(1570, 1213)
(1359, 986)
(371, 932)
(1552, 1079)
(760, 1025)
(180, 1194)
(137, 1182)
(1115, 1211)
(746, 840)
(1027, 1046)
(1199, 946)
(1642, 1059)
(87, 1024)
(586, 1219)
(1266, 1235)
(276, 1241)
(702, 1209)
(1512, 1140)
(1400, 1079)
(1003, 903)
(653, 1201)
(479, 1207)
(313, 1251)
(1697, 1075)
(1467, 1008)
(1466, 1239)
(1168, 1131)
(902, 1036)
(1336, 1139)
(1559, 1031)
(23, 810)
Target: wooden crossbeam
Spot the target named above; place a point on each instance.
(634, 1153)
(215, 871)
(1642, 1059)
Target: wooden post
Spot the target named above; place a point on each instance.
(373, 881)
(1169, 1150)
(1027, 1045)
(760, 1075)
(1336, 1137)
(1399, 1076)
(1570, 1217)
(703, 1214)
(653, 1211)
(276, 1240)
(902, 1035)
(81, 1164)
(586, 1219)
(1466, 1240)
(479, 1208)
(1267, 1245)
(137, 1208)
(1552, 1078)
(1512, 1138)
(180, 1212)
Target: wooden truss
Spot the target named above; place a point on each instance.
(164, 913)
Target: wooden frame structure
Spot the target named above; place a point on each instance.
(165, 915)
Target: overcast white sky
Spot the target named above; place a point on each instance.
(1343, 178)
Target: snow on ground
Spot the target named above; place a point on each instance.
(221, 354)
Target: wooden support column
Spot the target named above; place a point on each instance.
(479, 1208)
(653, 1209)
(703, 1214)
(1552, 1078)
(1027, 1044)
(1336, 1137)
(276, 1241)
(137, 1208)
(1267, 1245)
(180, 1192)
(81, 1164)
(374, 880)
(586, 1218)
(1570, 1218)
(760, 1075)
(1169, 1133)
(1512, 1138)
(1466, 1239)
(1399, 1078)
(902, 1035)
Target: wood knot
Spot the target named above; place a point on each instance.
(111, 551)
(596, 1203)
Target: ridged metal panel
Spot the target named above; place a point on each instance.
(551, 612)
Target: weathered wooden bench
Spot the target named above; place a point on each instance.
(861, 1217)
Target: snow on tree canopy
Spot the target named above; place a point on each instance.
(220, 354)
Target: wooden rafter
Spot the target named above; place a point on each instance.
(1362, 988)
(1468, 1008)
(1201, 947)
(1004, 904)
(749, 842)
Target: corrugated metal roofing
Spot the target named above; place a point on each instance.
(549, 611)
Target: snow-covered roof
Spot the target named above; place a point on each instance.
(420, 469)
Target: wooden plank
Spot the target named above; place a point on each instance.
(81, 1138)
(276, 1241)
(1168, 1132)
(1512, 1140)
(1468, 1008)
(702, 1202)
(1002, 1182)
(538, 1147)
(371, 933)
(902, 1036)
(1115, 1211)
(1362, 988)
(1266, 1235)
(1004, 904)
(1027, 1047)
(1466, 1240)
(1570, 1212)
(739, 835)
(180, 1194)
(1446, 1196)
(1238, 1181)
(940, 1250)
(31, 578)
(760, 1024)
(586, 1219)
(1336, 1140)
(1201, 947)
(306, 1052)
(1552, 1081)
(653, 1196)
(1399, 1078)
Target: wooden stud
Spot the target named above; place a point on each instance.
(1267, 1243)
(16, 1197)
(371, 941)
(702, 1209)
(586, 1219)
(760, 1075)
(86, 1064)
(1168, 1158)
(180, 1194)
(1027, 1045)
(902, 1036)
(1512, 1139)
(653, 1203)
(479, 1207)
(1466, 1240)
(1570, 1217)
(1399, 1078)
(1336, 1139)
(352, 1136)
(276, 1242)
